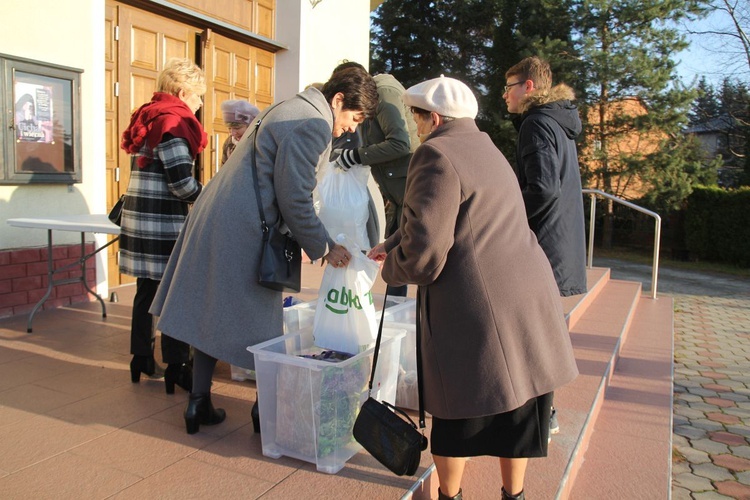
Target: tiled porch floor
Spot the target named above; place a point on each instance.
(72, 425)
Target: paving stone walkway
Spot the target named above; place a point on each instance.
(711, 440)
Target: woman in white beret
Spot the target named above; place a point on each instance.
(238, 115)
(494, 340)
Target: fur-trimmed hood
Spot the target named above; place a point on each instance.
(557, 93)
(557, 104)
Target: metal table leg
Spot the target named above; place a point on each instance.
(50, 282)
(82, 278)
(84, 258)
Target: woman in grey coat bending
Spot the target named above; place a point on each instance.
(494, 344)
(209, 296)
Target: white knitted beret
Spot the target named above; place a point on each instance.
(445, 96)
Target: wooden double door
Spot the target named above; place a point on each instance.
(137, 45)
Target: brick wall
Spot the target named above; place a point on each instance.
(23, 278)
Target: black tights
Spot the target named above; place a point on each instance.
(203, 371)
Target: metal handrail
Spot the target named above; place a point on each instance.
(593, 193)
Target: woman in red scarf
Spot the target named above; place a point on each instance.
(163, 138)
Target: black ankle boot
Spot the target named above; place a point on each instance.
(458, 496)
(508, 496)
(179, 374)
(255, 414)
(200, 411)
(145, 365)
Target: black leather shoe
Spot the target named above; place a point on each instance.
(200, 411)
(508, 496)
(178, 374)
(145, 365)
(458, 496)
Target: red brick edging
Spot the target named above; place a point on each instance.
(23, 278)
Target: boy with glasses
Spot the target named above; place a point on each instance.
(547, 168)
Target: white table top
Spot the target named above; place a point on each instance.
(94, 223)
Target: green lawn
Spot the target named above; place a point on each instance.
(634, 255)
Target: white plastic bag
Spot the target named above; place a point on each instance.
(345, 318)
(342, 200)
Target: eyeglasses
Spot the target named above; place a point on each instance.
(507, 87)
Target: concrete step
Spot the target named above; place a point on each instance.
(597, 340)
(635, 422)
(576, 305)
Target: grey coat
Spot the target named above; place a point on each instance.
(209, 296)
(493, 328)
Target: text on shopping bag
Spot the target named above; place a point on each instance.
(346, 298)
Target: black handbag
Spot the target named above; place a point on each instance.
(280, 262)
(280, 265)
(115, 215)
(386, 432)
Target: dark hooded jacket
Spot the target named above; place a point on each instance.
(550, 179)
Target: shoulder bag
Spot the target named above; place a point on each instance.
(280, 266)
(115, 215)
(386, 432)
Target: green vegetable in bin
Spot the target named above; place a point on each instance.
(339, 404)
(322, 403)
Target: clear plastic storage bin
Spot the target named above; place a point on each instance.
(403, 315)
(407, 392)
(307, 406)
(400, 313)
(299, 316)
(401, 310)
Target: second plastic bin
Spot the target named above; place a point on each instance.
(308, 406)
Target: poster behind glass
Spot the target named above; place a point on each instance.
(43, 124)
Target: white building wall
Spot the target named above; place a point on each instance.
(318, 38)
(67, 33)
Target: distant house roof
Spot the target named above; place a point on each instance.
(718, 124)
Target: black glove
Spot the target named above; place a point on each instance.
(348, 158)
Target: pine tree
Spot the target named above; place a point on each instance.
(706, 105)
(627, 48)
(475, 41)
(540, 28)
(406, 41)
(735, 106)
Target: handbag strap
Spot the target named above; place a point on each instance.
(419, 360)
(263, 223)
(419, 357)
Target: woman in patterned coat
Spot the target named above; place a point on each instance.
(164, 138)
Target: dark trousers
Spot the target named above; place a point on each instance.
(142, 331)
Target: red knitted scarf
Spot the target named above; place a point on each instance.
(164, 114)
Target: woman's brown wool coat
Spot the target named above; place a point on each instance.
(494, 333)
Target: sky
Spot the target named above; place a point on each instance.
(712, 56)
